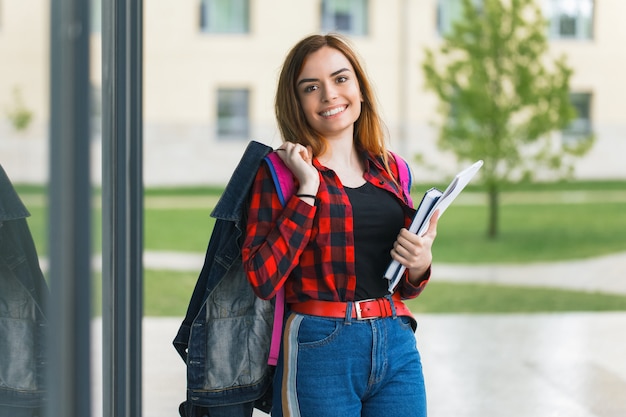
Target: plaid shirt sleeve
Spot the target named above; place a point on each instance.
(275, 235)
(408, 290)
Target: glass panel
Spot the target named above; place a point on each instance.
(224, 16)
(232, 113)
(567, 26)
(570, 19)
(580, 127)
(96, 16)
(345, 16)
(448, 12)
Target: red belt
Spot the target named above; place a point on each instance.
(361, 310)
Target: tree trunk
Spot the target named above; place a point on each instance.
(492, 228)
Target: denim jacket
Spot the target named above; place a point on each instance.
(225, 336)
(23, 292)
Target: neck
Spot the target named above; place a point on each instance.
(343, 158)
(339, 152)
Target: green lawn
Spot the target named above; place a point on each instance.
(443, 297)
(532, 232)
(542, 222)
(534, 226)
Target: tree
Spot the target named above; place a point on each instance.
(500, 97)
(19, 115)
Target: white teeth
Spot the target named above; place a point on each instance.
(332, 112)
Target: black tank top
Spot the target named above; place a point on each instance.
(378, 218)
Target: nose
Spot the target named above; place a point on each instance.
(329, 92)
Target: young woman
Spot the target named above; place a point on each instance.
(348, 345)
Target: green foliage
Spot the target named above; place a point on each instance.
(500, 97)
(18, 114)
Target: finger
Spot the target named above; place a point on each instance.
(404, 256)
(432, 227)
(301, 152)
(282, 152)
(408, 238)
(435, 217)
(407, 248)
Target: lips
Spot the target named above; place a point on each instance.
(333, 111)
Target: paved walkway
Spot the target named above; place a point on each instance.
(514, 365)
(544, 365)
(603, 274)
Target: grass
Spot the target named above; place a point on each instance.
(162, 298)
(529, 231)
(532, 233)
(542, 222)
(442, 297)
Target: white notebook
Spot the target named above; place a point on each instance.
(433, 200)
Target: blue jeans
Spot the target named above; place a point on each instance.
(348, 368)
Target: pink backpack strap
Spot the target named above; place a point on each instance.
(404, 176)
(285, 186)
(283, 178)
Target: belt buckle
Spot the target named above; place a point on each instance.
(357, 308)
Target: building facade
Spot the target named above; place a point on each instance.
(211, 66)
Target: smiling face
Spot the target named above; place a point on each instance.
(328, 90)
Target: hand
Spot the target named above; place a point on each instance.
(299, 160)
(414, 251)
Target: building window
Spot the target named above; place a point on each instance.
(233, 120)
(96, 16)
(569, 19)
(449, 12)
(580, 127)
(225, 16)
(349, 17)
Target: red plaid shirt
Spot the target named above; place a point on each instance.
(310, 249)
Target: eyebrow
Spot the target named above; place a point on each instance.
(309, 80)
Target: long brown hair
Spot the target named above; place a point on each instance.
(369, 133)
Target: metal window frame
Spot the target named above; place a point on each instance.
(122, 206)
(69, 335)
